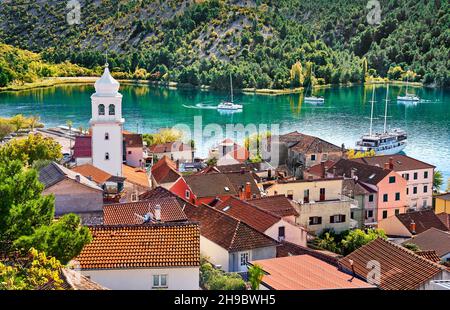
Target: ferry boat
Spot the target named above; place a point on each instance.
(384, 143)
(229, 105)
(408, 98)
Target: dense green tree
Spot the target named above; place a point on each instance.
(27, 217)
(438, 180)
(255, 275)
(33, 147)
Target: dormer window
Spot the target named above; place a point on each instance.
(106, 156)
(101, 109)
(106, 136)
(112, 109)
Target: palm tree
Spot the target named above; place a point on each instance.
(438, 180)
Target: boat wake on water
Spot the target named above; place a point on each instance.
(200, 106)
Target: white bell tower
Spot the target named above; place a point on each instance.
(107, 124)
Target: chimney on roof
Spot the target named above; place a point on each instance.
(334, 171)
(386, 166)
(343, 148)
(391, 163)
(248, 191)
(158, 213)
(178, 164)
(242, 192)
(412, 227)
(78, 178)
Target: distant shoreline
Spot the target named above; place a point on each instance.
(50, 82)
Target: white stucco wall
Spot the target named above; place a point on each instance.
(113, 146)
(293, 233)
(83, 160)
(136, 158)
(215, 253)
(184, 278)
(416, 201)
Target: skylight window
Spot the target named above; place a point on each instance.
(372, 176)
(226, 209)
(227, 189)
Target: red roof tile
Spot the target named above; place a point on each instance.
(164, 171)
(430, 255)
(252, 215)
(424, 220)
(400, 268)
(132, 139)
(400, 162)
(305, 272)
(95, 174)
(142, 246)
(227, 231)
(278, 204)
(432, 239)
(290, 249)
(125, 213)
(445, 218)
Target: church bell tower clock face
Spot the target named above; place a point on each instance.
(107, 124)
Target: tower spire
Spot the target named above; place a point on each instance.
(106, 59)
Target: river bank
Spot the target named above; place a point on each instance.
(49, 82)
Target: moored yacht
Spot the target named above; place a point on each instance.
(408, 98)
(229, 105)
(384, 143)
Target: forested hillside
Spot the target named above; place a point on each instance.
(19, 67)
(260, 42)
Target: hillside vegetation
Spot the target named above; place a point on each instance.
(200, 42)
(18, 67)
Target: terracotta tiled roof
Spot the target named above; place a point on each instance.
(239, 179)
(250, 167)
(289, 249)
(352, 188)
(306, 144)
(169, 147)
(432, 239)
(210, 185)
(221, 184)
(132, 139)
(400, 268)
(164, 171)
(95, 174)
(227, 231)
(317, 170)
(430, 255)
(445, 218)
(365, 173)
(135, 175)
(278, 204)
(82, 147)
(424, 220)
(142, 246)
(125, 213)
(54, 173)
(72, 280)
(400, 162)
(305, 272)
(252, 215)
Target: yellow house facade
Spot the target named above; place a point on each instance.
(442, 203)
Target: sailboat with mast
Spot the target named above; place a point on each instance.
(311, 98)
(408, 98)
(229, 105)
(386, 142)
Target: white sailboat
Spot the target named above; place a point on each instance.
(408, 98)
(229, 105)
(384, 143)
(311, 98)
